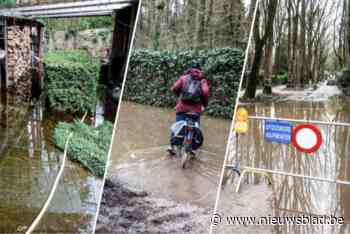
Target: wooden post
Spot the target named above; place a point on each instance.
(123, 28)
(6, 60)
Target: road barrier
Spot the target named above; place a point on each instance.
(256, 153)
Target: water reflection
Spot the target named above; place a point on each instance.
(293, 196)
(29, 163)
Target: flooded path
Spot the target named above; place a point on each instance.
(291, 196)
(29, 163)
(139, 158)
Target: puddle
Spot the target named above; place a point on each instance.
(29, 164)
(139, 159)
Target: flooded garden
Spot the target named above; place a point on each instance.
(28, 167)
(60, 85)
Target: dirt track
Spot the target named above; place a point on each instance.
(126, 210)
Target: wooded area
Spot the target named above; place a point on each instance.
(298, 42)
(185, 24)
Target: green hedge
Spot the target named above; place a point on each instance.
(152, 73)
(7, 3)
(88, 146)
(70, 80)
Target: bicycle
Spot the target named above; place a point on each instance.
(186, 142)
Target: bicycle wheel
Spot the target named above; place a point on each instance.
(184, 158)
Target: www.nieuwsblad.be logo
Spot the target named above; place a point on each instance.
(216, 219)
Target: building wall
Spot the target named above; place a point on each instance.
(91, 40)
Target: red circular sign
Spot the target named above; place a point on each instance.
(306, 138)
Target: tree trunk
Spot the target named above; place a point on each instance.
(289, 42)
(191, 19)
(302, 43)
(348, 30)
(268, 66)
(208, 24)
(200, 40)
(157, 24)
(173, 26)
(259, 46)
(254, 74)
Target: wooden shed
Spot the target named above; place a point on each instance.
(21, 41)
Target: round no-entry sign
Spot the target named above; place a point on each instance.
(306, 138)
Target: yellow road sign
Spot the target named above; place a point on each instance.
(242, 114)
(241, 125)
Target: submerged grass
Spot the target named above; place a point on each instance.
(88, 146)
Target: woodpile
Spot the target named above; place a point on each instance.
(24, 87)
(19, 59)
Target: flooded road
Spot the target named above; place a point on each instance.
(139, 158)
(139, 155)
(29, 163)
(291, 196)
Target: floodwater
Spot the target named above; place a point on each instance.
(29, 163)
(289, 196)
(139, 155)
(139, 158)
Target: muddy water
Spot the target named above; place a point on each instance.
(29, 164)
(291, 196)
(139, 155)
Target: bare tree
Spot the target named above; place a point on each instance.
(260, 41)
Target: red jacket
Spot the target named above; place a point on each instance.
(191, 107)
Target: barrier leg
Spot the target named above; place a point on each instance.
(245, 171)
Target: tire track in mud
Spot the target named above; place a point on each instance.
(126, 210)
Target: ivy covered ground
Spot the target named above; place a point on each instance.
(89, 146)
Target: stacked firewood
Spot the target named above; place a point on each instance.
(20, 59)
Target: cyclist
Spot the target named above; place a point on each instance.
(192, 92)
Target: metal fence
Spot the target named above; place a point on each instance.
(330, 163)
(315, 184)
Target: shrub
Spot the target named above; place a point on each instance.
(7, 3)
(71, 80)
(343, 78)
(152, 73)
(280, 79)
(88, 146)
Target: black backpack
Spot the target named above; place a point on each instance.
(191, 90)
